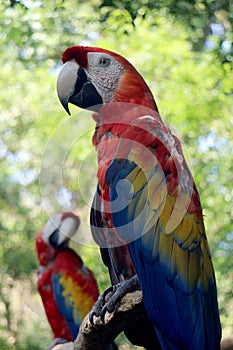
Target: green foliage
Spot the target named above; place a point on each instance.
(193, 89)
(207, 23)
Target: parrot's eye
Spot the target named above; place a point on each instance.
(104, 62)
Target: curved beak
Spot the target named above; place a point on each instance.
(67, 229)
(66, 83)
(61, 228)
(73, 86)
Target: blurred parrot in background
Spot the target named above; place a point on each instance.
(146, 213)
(67, 288)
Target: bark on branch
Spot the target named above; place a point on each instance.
(130, 309)
(67, 346)
(227, 344)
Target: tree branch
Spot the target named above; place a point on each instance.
(66, 346)
(227, 343)
(130, 310)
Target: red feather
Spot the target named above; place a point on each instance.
(55, 319)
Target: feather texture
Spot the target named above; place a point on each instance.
(68, 289)
(74, 287)
(173, 262)
(147, 201)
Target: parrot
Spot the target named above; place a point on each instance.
(146, 200)
(67, 288)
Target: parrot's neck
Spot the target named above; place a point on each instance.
(143, 99)
(123, 112)
(114, 117)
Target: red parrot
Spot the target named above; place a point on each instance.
(67, 288)
(146, 200)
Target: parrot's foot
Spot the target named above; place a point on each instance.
(111, 297)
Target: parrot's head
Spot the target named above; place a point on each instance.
(93, 76)
(56, 234)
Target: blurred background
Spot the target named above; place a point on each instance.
(184, 50)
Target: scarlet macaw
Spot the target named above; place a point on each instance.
(146, 198)
(68, 289)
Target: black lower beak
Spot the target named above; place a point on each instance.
(85, 94)
(54, 239)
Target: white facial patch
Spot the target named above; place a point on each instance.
(51, 225)
(104, 72)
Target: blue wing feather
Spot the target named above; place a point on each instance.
(184, 314)
(190, 317)
(65, 307)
